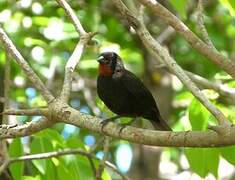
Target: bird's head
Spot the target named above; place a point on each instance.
(110, 63)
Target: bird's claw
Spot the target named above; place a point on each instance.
(106, 121)
(125, 125)
(121, 129)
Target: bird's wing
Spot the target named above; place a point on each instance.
(137, 89)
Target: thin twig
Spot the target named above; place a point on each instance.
(168, 32)
(11, 49)
(91, 151)
(12, 131)
(201, 25)
(3, 144)
(51, 74)
(71, 14)
(157, 50)
(212, 54)
(88, 96)
(204, 83)
(61, 153)
(218, 87)
(104, 159)
(4, 166)
(78, 51)
(27, 112)
(7, 83)
(96, 145)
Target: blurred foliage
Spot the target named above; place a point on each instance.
(46, 38)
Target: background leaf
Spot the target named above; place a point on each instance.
(16, 150)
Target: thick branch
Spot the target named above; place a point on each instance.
(68, 115)
(157, 50)
(149, 137)
(25, 66)
(212, 54)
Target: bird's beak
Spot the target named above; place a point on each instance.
(101, 59)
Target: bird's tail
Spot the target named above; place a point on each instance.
(160, 124)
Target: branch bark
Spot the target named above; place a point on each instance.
(27, 112)
(13, 131)
(201, 25)
(66, 114)
(211, 53)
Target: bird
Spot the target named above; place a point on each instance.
(124, 93)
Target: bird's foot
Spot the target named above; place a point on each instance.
(106, 121)
(125, 124)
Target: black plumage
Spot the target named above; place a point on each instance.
(124, 94)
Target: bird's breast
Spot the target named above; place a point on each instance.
(113, 94)
(105, 70)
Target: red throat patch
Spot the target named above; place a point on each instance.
(105, 70)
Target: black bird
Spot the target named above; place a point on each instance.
(124, 94)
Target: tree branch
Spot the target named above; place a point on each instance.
(201, 26)
(212, 54)
(71, 14)
(218, 87)
(204, 83)
(78, 51)
(12, 131)
(66, 114)
(104, 159)
(57, 154)
(168, 32)
(11, 49)
(27, 112)
(157, 50)
(7, 74)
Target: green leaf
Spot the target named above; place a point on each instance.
(16, 150)
(31, 178)
(106, 175)
(53, 136)
(180, 7)
(203, 161)
(79, 166)
(63, 172)
(84, 166)
(198, 115)
(228, 153)
(230, 5)
(44, 166)
(75, 142)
